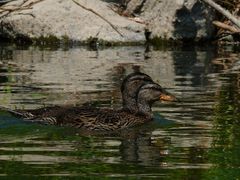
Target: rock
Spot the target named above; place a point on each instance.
(94, 21)
(61, 19)
(174, 19)
(4, 1)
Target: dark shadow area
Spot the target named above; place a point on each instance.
(185, 27)
(194, 61)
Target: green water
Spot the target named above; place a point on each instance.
(196, 138)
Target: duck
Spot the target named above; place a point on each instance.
(129, 88)
(139, 92)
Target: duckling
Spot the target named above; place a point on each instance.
(141, 97)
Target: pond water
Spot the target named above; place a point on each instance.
(196, 138)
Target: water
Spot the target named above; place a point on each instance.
(196, 138)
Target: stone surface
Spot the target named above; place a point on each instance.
(64, 18)
(174, 19)
(166, 19)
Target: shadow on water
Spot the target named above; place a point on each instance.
(196, 138)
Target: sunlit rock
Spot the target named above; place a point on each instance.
(80, 21)
(174, 19)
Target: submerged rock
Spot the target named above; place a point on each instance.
(90, 20)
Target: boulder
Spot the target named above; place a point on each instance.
(96, 21)
(78, 21)
(174, 19)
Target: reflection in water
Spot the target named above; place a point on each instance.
(187, 139)
(226, 144)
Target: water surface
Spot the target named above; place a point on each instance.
(196, 138)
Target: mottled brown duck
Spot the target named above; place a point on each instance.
(129, 88)
(139, 92)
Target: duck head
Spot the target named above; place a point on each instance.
(148, 94)
(130, 87)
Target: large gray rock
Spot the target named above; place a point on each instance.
(166, 19)
(65, 19)
(174, 19)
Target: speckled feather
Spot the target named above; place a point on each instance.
(85, 117)
(139, 92)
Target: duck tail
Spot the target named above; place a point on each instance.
(23, 115)
(13, 112)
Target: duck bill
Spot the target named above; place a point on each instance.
(167, 97)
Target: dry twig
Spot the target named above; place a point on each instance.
(13, 9)
(5, 11)
(226, 13)
(226, 27)
(94, 12)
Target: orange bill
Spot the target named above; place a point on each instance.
(166, 97)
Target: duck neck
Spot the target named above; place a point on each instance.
(130, 106)
(145, 108)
